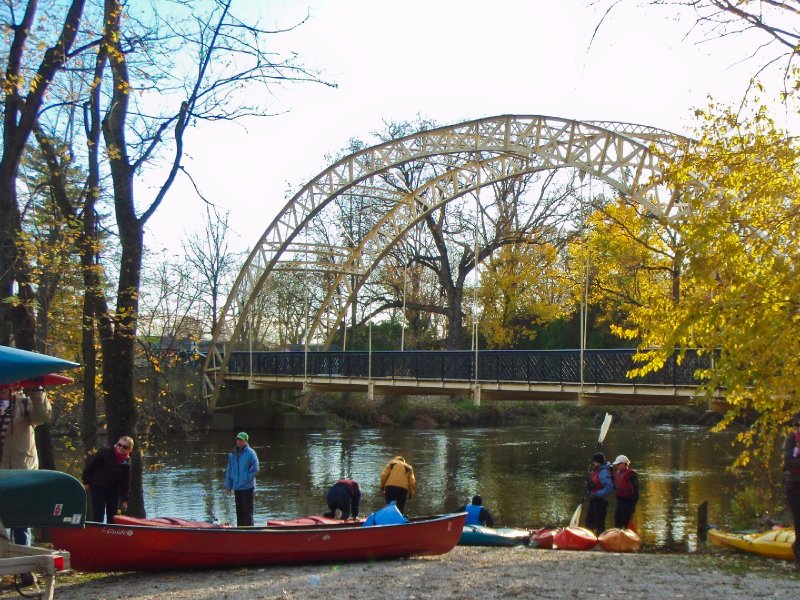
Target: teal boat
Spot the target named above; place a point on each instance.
(38, 499)
(478, 535)
(16, 365)
(41, 499)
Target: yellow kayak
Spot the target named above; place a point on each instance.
(776, 543)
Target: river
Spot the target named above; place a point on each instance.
(528, 476)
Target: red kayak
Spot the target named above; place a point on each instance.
(574, 538)
(101, 547)
(543, 538)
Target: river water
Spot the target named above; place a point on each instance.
(528, 476)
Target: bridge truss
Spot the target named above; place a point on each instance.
(467, 156)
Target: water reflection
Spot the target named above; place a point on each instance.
(528, 476)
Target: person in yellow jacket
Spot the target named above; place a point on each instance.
(398, 482)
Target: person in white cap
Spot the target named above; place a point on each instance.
(626, 490)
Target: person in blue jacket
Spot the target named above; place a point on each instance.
(240, 477)
(598, 489)
(477, 514)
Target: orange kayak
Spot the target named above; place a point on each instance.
(574, 538)
(619, 540)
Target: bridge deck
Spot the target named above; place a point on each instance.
(502, 375)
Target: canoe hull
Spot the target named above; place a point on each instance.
(772, 544)
(619, 540)
(41, 498)
(478, 535)
(574, 538)
(101, 547)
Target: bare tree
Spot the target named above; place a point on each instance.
(211, 258)
(777, 22)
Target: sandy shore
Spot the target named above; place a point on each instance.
(466, 572)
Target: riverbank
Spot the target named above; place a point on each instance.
(430, 412)
(466, 572)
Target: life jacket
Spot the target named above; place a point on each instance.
(622, 483)
(473, 514)
(388, 515)
(594, 481)
(795, 470)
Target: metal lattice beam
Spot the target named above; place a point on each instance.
(625, 156)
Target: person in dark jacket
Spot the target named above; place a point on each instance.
(791, 481)
(343, 499)
(626, 490)
(477, 514)
(598, 489)
(240, 479)
(107, 479)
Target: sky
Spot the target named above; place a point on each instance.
(449, 61)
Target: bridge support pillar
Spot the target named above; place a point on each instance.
(476, 395)
(370, 391)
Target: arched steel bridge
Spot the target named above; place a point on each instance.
(629, 158)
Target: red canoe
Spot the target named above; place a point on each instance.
(574, 538)
(165, 522)
(313, 520)
(178, 522)
(101, 547)
(44, 381)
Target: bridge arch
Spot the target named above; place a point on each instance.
(474, 154)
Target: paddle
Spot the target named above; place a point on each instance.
(576, 516)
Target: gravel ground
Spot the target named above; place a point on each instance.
(466, 572)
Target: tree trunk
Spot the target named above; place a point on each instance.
(455, 319)
(8, 247)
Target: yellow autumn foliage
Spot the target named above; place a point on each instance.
(740, 297)
(523, 286)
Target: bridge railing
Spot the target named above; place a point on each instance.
(524, 366)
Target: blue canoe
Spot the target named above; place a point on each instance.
(478, 535)
(16, 365)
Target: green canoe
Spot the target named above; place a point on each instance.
(41, 499)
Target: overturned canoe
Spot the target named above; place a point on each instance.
(574, 538)
(776, 543)
(478, 535)
(619, 540)
(101, 547)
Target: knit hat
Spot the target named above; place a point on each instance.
(243, 436)
(477, 500)
(599, 458)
